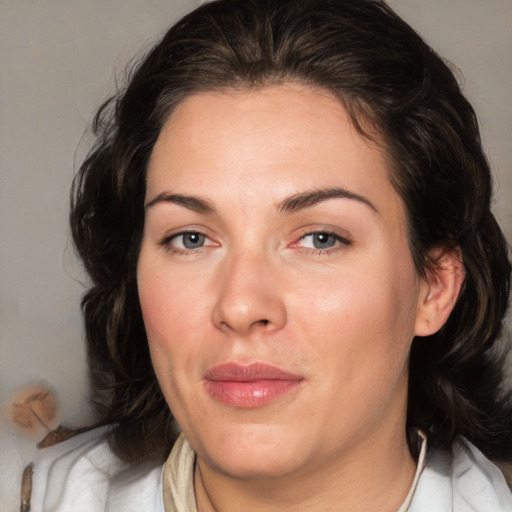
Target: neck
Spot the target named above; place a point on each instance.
(375, 475)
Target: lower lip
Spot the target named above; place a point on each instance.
(250, 394)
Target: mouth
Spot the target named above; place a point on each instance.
(249, 385)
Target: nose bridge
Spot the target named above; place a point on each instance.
(249, 296)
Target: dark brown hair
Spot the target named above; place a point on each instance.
(392, 84)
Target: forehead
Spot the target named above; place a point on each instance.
(273, 141)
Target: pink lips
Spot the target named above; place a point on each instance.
(249, 386)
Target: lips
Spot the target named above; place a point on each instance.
(249, 386)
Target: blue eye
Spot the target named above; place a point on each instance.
(322, 240)
(190, 240)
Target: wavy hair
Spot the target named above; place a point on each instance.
(393, 85)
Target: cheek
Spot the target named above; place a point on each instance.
(172, 311)
(360, 299)
(360, 323)
(353, 335)
(172, 304)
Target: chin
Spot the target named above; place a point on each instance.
(253, 452)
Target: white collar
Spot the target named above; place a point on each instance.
(422, 459)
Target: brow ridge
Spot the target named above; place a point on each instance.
(296, 202)
(311, 198)
(190, 202)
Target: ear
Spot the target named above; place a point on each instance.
(439, 290)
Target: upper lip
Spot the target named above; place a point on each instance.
(253, 372)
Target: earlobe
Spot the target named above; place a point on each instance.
(439, 290)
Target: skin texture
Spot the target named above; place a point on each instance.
(257, 289)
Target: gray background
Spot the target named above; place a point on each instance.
(59, 61)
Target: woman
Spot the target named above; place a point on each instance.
(286, 221)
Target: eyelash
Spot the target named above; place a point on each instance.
(166, 242)
(340, 241)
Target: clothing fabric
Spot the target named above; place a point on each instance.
(82, 475)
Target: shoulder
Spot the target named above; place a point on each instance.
(83, 475)
(461, 481)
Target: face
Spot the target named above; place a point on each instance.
(277, 287)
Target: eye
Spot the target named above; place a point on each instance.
(186, 241)
(322, 241)
(190, 240)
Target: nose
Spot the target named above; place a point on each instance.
(249, 298)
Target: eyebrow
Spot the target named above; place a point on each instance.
(192, 203)
(311, 198)
(291, 204)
